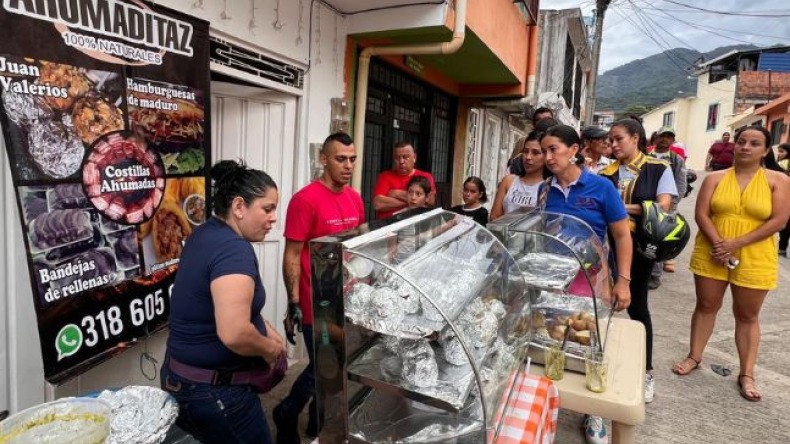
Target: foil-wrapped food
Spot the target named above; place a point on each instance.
(419, 363)
(25, 109)
(434, 289)
(55, 149)
(478, 325)
(140, 415)
(357, 299)
(453, 349)
(386, 303)
(377, 308)
(411, 297)
(548, 269)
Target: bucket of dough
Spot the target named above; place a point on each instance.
(65, 421)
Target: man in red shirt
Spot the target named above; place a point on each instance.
(720, 154)
(389, 194)
(325, 206)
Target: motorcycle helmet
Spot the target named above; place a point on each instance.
(660, 236)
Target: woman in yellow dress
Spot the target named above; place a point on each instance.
(739, 211)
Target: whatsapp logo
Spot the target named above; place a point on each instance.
(68, 341)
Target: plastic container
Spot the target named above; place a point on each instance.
(65, 421)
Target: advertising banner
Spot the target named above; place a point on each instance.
(104, 110)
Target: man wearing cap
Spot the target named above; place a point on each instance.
(663, 150)
(596, 148)
(720, 154)
(675, 146)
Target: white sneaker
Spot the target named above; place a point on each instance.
(595, 430)
(650, 388)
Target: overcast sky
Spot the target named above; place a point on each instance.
(634, 29)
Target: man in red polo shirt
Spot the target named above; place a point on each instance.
(325, 206)
(389, 194)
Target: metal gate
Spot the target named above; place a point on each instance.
(402, 108)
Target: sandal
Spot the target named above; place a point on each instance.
(681, 370)
(748, 394)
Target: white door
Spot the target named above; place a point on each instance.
(259, 127)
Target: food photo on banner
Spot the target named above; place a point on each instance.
(103, 106)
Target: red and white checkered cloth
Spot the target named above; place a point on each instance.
(532, 416)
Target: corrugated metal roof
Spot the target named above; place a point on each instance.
(777, 62)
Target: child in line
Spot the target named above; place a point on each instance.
(474, 197)
(418, 189)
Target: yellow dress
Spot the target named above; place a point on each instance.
(735, 213)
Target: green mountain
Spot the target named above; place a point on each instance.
(654, 80)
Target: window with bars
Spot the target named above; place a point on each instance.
(403, 108)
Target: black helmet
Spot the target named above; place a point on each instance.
(661, 236)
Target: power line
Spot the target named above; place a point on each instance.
(694, 11)
(694, 25)
(666, 46)
(645, 19)
(708, 27)
(667, 52)
(742, 14)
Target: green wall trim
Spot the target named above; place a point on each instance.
(474, 63)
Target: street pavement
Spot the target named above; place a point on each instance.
(702, 407)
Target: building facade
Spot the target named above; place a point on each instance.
(777, 118)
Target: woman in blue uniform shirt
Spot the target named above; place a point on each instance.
(577, 192)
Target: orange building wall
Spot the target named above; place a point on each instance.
(778, 113)
(500, 26)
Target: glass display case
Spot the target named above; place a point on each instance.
(566, 268)
(421, 327)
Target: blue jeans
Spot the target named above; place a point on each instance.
(217, 413)
(303, 389)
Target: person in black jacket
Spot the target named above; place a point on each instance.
(665, 139)
(639, 178)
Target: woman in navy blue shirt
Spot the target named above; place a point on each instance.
(218, 338)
